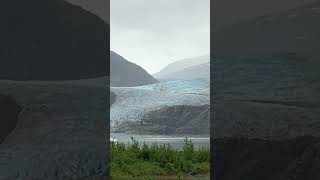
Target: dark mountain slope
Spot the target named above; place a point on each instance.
(228, 12)
(51, 40)
(125, 73)
(99, 7)
(51, 141)
(251, 159)
(9, 111)
(294, 32)
(265, 97)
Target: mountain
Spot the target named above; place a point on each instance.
(100, 8)
(51, 40)
(266, 104)
(125, 74)
(228, 12)
(191, 68)
(201, 71)
(266, 78)
(290, 33)
(265, 97)
(58, 133)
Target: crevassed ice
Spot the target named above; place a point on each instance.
(133, 102)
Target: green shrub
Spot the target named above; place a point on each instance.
(135, 161)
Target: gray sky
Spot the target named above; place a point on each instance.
(154, 33)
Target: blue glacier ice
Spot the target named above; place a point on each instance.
(133, 102)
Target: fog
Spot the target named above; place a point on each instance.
(153, 34)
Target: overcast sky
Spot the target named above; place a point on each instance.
(154, 33)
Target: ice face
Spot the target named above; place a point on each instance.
(133, 102)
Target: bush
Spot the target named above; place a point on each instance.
(135, 161)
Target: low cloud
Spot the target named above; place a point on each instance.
(153, 34)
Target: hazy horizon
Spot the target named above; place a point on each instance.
(153, 34)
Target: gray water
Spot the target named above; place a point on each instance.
(176, 141)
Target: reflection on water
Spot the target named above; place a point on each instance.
(176, 141)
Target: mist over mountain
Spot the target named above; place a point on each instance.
(191, 68)
(201, 71)
(51, 40)
(293, 32)
(125, 74)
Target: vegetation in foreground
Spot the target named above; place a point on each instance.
(148, 162)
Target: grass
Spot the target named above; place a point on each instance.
(147, 162)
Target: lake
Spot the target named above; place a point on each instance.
(176, 141)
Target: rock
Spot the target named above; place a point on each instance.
(113, 97)
(251, 159)
(181, 119)
(9, 110)
(51, 40)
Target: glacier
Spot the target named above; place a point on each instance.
(133, 102)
